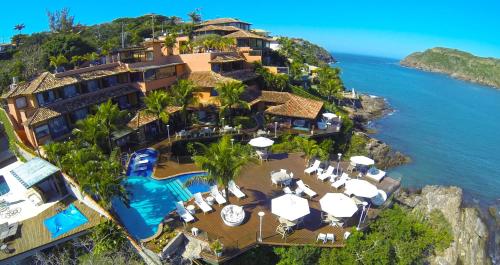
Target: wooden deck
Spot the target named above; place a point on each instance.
(33, 234)
(256, 184)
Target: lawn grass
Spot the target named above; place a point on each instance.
(12, 137)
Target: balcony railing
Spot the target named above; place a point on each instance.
(255, 53)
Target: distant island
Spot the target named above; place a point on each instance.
(458, 64)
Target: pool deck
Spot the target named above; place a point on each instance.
(33, 234)
(256, 184)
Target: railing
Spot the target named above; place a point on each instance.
(255, 53)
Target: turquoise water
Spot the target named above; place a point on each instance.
(151, 200)
(450, 128)
(65, 221)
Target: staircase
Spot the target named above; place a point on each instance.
(178, 190)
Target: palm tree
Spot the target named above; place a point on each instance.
(229, 97)
(170, 42)
(90, 130)
(92, 57)
(57, 61)
(308, 146)
(156, 104)
(195, 16)
(19, 27)
(183, 95)
(110, 118)
(223, 162)
(76, 60)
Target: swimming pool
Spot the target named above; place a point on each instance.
(65, 221)
(4, 187)
(150, 199)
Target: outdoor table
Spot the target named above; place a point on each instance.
(280, 177)
(210, 200)
(194, 231)
(191, 209)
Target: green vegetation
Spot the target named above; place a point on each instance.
(458, 64)
(11, 137)
(357, 146)
(230, 98)
(214, 42)
(397, 236)
(270, 81)
(157, 244)
(89, 158)
(329, 83)
(156, 104)
(222, 161)
(182, 94)
(286, 144)
(303, 51)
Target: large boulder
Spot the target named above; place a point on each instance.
(469, 231)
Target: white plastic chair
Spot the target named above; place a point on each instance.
(321, 237)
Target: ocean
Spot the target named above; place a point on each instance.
(450, 128)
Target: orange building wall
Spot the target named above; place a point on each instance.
(197, 62)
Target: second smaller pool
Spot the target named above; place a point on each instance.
(65, 221)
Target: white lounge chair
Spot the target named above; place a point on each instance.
(341, 181)
(287, 190)
(198, 199)
(183, 213)
(142, 162)
(321, 237)
(328, 173)
(347, 234)
(235, 190)
(313, 168)
(330, 237)
(214, 191)
(306, 189)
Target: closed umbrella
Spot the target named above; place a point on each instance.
(361, 188)
(362, 160)
(290, 207)
(338, 205)
(261, 142)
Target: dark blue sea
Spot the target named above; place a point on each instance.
(450, 128)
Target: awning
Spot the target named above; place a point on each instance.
(290, 207)
(338, 205)
(33, 172)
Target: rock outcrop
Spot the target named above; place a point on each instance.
(469, 231)
(385, 157)
(367, 108)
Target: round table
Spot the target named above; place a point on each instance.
(210, 200)
(232, 215)
(191, 209)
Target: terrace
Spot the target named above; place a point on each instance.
(255, 182)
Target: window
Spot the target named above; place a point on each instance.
(243, 43)
(45, 98)
(21, 102)
(58, 127)
(92, 85)
(216, 67)
(123, 78)
(165, 72)
(123, 102)
(79, 115)
(41, 131)
(150, 75)
(149, 56)
(110, 81)
(69, 91)
(136, 77)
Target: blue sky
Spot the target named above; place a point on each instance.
(392, 28)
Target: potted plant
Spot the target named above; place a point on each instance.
(217, 247)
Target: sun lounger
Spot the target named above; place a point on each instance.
(328, 173)
(321, 237)
(214, 191)
(287, 190)
(375, 174)
(235, 190)
(341, 181)
(330, 237)
(198, 199)
(183, 213)
(306, 189)
(312, 168)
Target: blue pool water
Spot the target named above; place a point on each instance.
(4, 187)
(449, 127)
(150, 199)
(65, 221)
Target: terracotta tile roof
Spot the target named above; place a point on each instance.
(242, 34)
(68, 105)
(290, 105)
(207, 78)
(241, 75)
(142, 117)
(47, 81)
(17, 90)
(217, 28)
(225, 58)
(221, 21)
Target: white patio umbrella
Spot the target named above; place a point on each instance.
(261, 142)
(329, 115)
(361, 188)
(338, 205)
(290, 207)
(362, 160)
